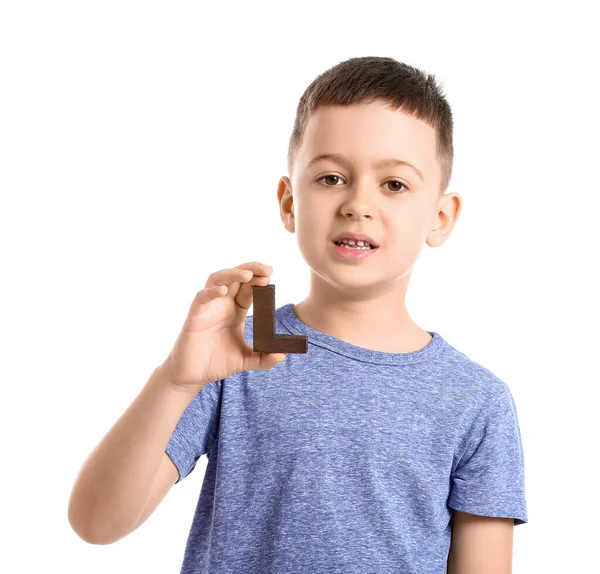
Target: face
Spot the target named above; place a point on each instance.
(396, 206)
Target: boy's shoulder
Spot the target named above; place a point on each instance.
(467, 373)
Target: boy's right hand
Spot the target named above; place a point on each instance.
(211, 344)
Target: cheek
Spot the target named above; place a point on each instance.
(311, 222)
(406, 233)
(410, 228)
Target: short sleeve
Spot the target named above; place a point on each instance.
(196, 430)
(489, 479)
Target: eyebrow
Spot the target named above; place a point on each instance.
(385, 162)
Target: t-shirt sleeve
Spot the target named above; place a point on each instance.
(489, 479)
(196, 430)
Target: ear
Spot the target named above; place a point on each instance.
(448, 209)
(286, 203)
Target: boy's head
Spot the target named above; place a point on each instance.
(366, 110)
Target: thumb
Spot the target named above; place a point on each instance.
(265, 361)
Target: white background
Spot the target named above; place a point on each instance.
(140, 148)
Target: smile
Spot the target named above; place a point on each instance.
(352, 253)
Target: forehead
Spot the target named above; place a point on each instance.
(368, 132)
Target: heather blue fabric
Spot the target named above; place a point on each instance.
(347, 460)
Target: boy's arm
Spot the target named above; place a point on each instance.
(118, 486)
(164, 480)
(480, 544)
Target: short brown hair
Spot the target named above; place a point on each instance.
(373, 78)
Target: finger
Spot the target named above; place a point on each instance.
(234, 277)
(256, 268)
(206, 296)
(257, 361)
(245, 295)
(227, 276)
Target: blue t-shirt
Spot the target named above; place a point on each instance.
(346, 459)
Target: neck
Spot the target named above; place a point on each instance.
(369, 317)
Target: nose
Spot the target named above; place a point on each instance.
(357, 204)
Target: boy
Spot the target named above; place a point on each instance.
(383, 449)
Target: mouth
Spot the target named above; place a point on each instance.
(347, 252)
(353, 239)
(355, 245)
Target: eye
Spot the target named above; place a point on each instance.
(337, 176)
(398, 182)
(395, 191)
